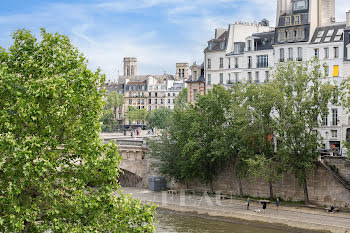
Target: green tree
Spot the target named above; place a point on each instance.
(181, 99)
(51, 148)
(261, 101)
(303, 99)
(158, 118)
(134, 114)
(113, 101)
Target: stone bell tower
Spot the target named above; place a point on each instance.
(130, 66)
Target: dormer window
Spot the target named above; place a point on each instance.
(291, 35)
(281, 34)
(222, 45)
(299, 5)
(288, 20)
(237, 49)
(300, 34)
(297, 19)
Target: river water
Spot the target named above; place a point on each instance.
(175, 222)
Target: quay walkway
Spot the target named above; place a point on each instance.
(298, 217)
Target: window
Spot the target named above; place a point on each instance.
(221, 78)
(237, 77)
(229, 63)
(300, 34)
(149, 94)
(299, 5)
(249, 45)
(281, 34)
(336, 71)
(156, 94)
(161, 101)
(249, 77)
(281, 54)
(229, 79)
(317, 52)
(236, 62)
(334, 133)
(209, 79)
(288, 20)
(297, 19)
(221, 62)
(263, 61)
(335, 96)
(195, 78)
(130, 101)
(183, 72)
(267, 76)
(156, 101)
(326, 53)
(290, 54)
(324, 120)
(169, 93)
(257, 76)
(237, 49)
(150, 101)
(209, 64)
(326, 70)
(195, 94)
(173, 94)
(334, 116)
(300, 53)
(336, 52)
(291, 35)
(249, 62)
(142, 101)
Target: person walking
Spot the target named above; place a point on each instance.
(264, 206)
(248, 203)
(277, 203)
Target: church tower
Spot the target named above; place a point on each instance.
(130, 66)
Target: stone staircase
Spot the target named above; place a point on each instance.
(338, 170)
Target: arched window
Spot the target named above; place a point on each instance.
(127, 72)
(291, 35)
(281, 35)
(132, 70)
(300, 34)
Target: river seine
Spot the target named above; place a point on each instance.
(175, 222)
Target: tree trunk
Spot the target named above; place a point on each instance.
(306, 195)
(240, 186)
(211, 186)
(271, 190)
(26, 226)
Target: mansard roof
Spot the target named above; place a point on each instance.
(328, 34)
(215, 43)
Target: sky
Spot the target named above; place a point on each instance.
(158, 32)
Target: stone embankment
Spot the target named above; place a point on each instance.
(296, 217)
(328, 184)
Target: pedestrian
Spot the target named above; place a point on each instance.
(277, 203)
(248, 203)
(132, 134)
(264, 206)
(331, 209)
(137, 132)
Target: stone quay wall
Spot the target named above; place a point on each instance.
(341, 163)
(323, 187)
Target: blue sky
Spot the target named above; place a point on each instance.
(158, 32)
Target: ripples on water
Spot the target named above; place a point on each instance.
(175, 222)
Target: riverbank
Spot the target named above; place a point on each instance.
(295, 217)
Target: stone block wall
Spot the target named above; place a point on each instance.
(323, 188)
(342, 164)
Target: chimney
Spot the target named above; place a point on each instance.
(348, 18)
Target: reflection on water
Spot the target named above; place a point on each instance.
(174, 222)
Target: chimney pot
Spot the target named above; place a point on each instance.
(348, 18)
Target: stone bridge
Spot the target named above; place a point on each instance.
(135, 161)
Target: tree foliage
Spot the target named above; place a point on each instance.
(134, 114)
(113, 101)
(262, 130)
(303, 100)
(50, 144)
(158, 118)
